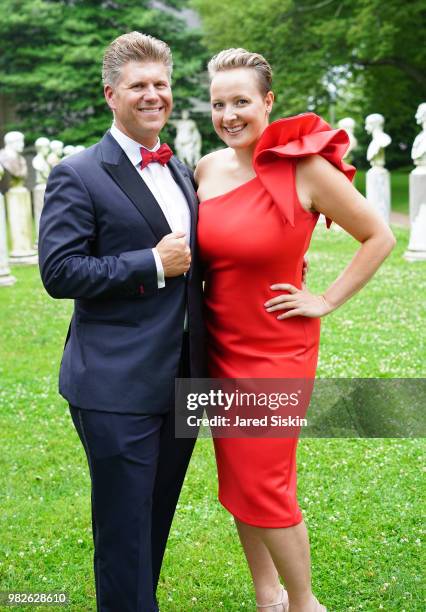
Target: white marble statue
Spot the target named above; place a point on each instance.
(56, 152)
(378, 187)
(418, 151)
(68, 150)
(417, 189)
(18, 200)
(12, 160)
(42, 168)
(40, 163)
(5, 276)
(376, 149)
(348, 124)
(188, 140)
(72, 149)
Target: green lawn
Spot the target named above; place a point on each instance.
(361, 498)
(399, 188)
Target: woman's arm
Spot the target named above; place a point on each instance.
(323, 188)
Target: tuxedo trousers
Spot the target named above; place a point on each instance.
(137, 468)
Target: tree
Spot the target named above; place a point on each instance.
(50, 65)
(350, 57)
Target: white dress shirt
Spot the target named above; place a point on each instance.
(163, 187)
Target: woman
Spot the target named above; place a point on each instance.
(260, 199)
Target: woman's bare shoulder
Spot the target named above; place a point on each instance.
(313, 164)
(311, 170)
(209, 162)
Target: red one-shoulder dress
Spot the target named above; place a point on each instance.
(250, 238)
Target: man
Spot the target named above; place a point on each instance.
(117, 234)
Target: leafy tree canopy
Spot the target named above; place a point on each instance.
(50, 65)
(336, 57)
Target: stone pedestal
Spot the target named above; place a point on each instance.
(417, 187)
(38, 201)
(5, 277)
(18, 201)
(417, 246)
(378, 191)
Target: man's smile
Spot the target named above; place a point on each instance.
(151, 111)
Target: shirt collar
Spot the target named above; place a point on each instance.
(131, 148)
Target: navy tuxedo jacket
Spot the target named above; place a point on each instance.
(98, 226)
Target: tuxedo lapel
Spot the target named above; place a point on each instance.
(119, 167)
(185, 183)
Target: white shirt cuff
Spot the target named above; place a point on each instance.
(161, 281)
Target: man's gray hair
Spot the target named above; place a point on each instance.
(133, 47)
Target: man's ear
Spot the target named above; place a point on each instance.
(109, 96)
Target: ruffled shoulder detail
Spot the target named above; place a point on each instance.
(284, 141)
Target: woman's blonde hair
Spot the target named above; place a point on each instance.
(229, 59)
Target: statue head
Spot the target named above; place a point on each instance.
(185, 115)
(347, 123)
(57, 147)
(421, 113)
(15, 141)
(69, 150)
(42, 145)
(374, 121)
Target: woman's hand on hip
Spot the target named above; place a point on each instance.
(297, 302)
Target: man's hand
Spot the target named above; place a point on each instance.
(175, 254)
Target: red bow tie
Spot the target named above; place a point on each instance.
(161, 156)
